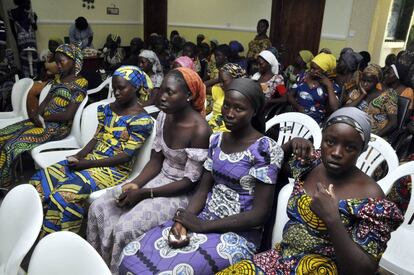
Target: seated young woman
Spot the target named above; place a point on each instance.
(393, 79)
(295, 73)
(123, 127)
(57, 112)
(317, 95)
(167, 181)
(223, 222)
(380, 103)
(339, 219)
(272, 83)
(227, 73)
(150, 64)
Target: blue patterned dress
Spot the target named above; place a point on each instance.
(235, 176)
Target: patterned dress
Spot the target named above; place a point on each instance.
(379, 108)
(256, 46)
(216, 121)
(24, 136)
(60, 187)
(306, 247)
(274, 87)
(235, 176)
(314, 100)
(110, 227)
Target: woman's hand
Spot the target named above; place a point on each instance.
(129, 186)
(324, 80)
(132, 197)
(189, 220)
(178, 237)
(302, 149)
(78, 164)
(325, 204)
(36, 121)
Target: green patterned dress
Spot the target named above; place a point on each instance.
(24, 136)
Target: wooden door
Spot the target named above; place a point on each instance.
(296, 25)
(155, 18)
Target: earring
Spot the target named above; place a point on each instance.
(188, 100)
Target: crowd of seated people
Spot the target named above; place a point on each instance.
(200, 204)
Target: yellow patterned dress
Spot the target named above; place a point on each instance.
(64, 191)
(24, 136)
(306, 247)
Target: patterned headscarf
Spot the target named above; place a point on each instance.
(375, 70)
(234, 70)
(134, 75)
(353, 117)
(153, 58)
(327, 62)
(197, 88)
(73, 52)
(186, 62)
(307, 57)
(271, 59)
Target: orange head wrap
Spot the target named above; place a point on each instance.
(197, 89)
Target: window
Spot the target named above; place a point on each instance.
(399, 21)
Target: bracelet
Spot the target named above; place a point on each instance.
(151, 194)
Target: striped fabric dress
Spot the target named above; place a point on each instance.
(64, 191)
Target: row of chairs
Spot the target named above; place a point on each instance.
(21, 217)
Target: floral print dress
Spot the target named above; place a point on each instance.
(235, 176)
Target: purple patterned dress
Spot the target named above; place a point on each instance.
(235, 176)
(110, 227)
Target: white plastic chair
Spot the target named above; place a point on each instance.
(106, 82)
(66, 253)
(21, 217)
(73, 140)
(18, 99)
(294, 124)
(399, 255)
(44, 93)
(378, 151)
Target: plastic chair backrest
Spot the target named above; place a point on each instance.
(398, 257)
(294, 124)
(89, 122)
(378, 151)
(44, 93)
(76, 124)
(143, 155)
(402, 115)
(21, 217)
(66, 253)
(106, 82)
(19, 96)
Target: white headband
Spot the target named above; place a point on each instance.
(394, 68)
